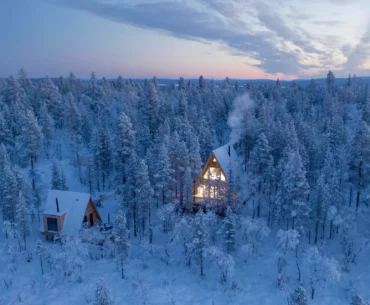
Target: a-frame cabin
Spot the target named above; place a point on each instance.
(66, 212)
(215, 174)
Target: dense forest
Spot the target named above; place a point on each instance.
(305, 154)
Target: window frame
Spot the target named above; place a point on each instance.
(51, 224)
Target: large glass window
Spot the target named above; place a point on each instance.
(52, 224)
(214, 173)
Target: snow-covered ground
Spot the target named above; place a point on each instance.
(153, 277)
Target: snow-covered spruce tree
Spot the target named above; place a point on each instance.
(322, 270)
(11, 257)
(199, 243)
(357, 300)
(23, 219)
(163, 176)
(292, 202)
(179, 160)
(259, 175)
(121, 240)
(101, 147)
(298, 297)
(124, 143)
(253, 232)
(47, 126)
(360, 162)
(6, 137)
(224, 262)
(102, 294)
(53, 99)
(74, 120)
(228, 231)
(188, 190)
(32, 136)
(70, 263)
(58, 181)
(181, 236)
(287, 241)
(4, 166)
(10, 195)
(144, 200)
(40, 250)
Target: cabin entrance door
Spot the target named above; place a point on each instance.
(91, 218)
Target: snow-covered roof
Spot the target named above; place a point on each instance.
(72, 204)
(223, 158)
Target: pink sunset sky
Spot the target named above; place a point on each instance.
(244, 39)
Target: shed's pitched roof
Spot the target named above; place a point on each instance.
(223, 158)
(72, 204)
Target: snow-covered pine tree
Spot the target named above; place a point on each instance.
(322, 270)
(4, 164)
(32, 136)
(10, 195)
(199, 243)
(298, 297)
(228, 231)
(360, 161)
(40, 250)
(163, 176)
(144, 193)
(121, 240)
(124, 143)
(47, 126)
(50, 93)
(260, 174)
(294, 190)
(357, 300)
(23, 219)
(103, 153)
(58, 180)
(188, 190)
(287, 241)
(102, 294)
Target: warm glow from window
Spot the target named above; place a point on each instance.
(214, 173)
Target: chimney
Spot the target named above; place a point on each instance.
(56, 200)
(229, 151)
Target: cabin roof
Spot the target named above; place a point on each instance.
(223, 158)
(72, 204)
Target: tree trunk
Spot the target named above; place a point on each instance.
(135, 221)
(42, 267)
(350, 197)
(331, 230)
(122, 273)
(323, 229)
(316, 231)
(312, 293)
(201, 265)
(357, 199)
(299, 270)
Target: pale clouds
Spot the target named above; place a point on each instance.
(285, 37)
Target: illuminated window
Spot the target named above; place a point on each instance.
(214, 173)
(214, 160)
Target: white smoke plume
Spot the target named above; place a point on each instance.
(241, 105)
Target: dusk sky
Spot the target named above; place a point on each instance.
(217, 38)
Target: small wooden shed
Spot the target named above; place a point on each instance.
(66, 212)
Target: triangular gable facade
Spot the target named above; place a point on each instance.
(214, 175)
(67, 211)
